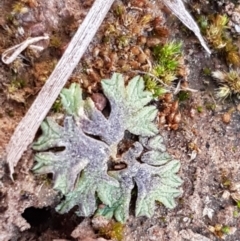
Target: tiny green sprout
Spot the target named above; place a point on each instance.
(146, 19)
(225, 229)
(159, 91)
(55, 41)
(18, 83)
(238, 204)
(106, 39)
(19, 8)
(234, 149)
(57, 106)
(119, 10)
(168, 50)
(226, 183)
(150, 83)
(154, 87)
(183, 96)
(203, 23)
(207, 71)
(191, 216)
(123, 40)
(163, 219)
(235, 214)
(199, 109)
(221, 20)
(210, 106)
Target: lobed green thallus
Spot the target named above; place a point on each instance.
(81, 171)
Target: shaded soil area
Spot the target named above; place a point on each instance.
(206, 140)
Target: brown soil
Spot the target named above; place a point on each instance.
(205, 142)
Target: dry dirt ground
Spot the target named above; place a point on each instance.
(205, 144)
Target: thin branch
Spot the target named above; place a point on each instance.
(168, 87)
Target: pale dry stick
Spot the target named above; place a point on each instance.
(178, 89)
(9, 55)
(27, 128)
(154, 77)
(168, 87)
(178, 8)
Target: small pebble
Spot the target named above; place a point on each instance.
(99, 100)
(226, 118)
(226, 195)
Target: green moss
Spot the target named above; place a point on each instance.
(207, 71)
(235, 214)
(167, 59)
(225, 229)
(123, 41)
(226, 183)
(199, 109)
(238, 204)
(183, 96)
(57, 106)
(154, 86)
(167, 52)
(203, 23)
(216, 31)
(18, 83)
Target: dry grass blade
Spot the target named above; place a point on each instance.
(178, 8)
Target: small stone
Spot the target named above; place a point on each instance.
(238, 107)
(142, 58)
(237, 28)
(226, 118)
(232, 230)
(99, 100)
(226, 195)
(135, 50)
(185, 219)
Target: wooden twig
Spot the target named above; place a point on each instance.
(27, 128)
